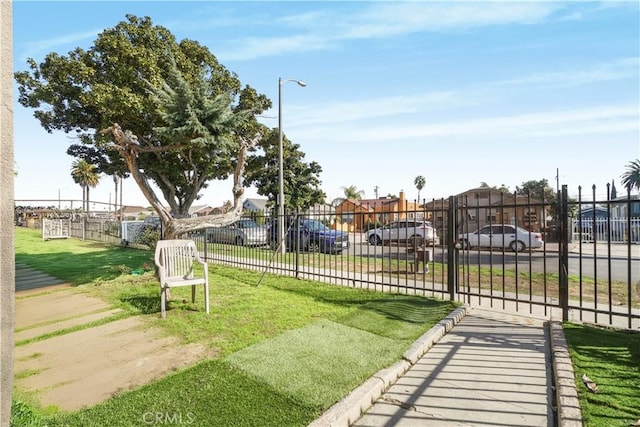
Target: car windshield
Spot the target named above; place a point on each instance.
(247, 223)
(315, 225)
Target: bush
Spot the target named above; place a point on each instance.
(149, 237)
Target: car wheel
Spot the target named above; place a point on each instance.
(464, 244)
(416, 240)
(239, 241)
(375, 240)
(517, 246)
(313, 246)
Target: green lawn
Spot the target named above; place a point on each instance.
(287, 349)
(611, 358)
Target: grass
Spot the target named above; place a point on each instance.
(611, 358)
(286, 350)
(476, 277)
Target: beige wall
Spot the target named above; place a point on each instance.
(7, 252)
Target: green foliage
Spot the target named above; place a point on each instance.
(538, 190)
(149, 237)
(631, 177)
(85, 175)
(121, 79)
(301, 179)
(352, 193)
(24, 415)
(503, 188)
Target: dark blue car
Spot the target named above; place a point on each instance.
(310, 235)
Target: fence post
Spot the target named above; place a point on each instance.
(298, 226)
(452, 249)
(563, 264)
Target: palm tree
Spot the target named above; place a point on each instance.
(84, 174)
(631, 178)
(420, 183)
(350, 193)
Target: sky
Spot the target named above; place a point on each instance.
(458, 92)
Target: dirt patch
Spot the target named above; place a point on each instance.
(86, 367)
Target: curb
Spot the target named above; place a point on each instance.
(360, 399)
(568, 406)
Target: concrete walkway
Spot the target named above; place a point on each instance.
(474, 368)
(73, 350)
(492, 369)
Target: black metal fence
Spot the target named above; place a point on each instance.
(484, 248)
(568, 275)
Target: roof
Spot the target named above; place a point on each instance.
(256, 204)
(194, 209)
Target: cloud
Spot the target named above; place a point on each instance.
(36, 49)
(623, 68)
(329, 28)
(602, 120)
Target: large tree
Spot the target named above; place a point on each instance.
(538, 190)
(174, 116)
(301, 179)
(85, 175)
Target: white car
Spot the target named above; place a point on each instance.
(404, 231)
(501, 236)
(244, 232)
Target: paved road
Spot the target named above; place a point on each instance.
(594, 261)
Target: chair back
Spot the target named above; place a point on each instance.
(176, 258)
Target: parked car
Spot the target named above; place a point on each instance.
(501, 236)
(406, 231)
(311, 236)
(245, 232)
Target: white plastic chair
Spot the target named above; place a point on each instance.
(175, 260)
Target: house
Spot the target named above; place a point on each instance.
(482, 206)
(255, 205)
(205, 210)
(219, 210)
(132, 213)
(622, 207)
(357, 215)
(321, 211)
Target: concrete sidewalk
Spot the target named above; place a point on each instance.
(491, 369)
(475, 368)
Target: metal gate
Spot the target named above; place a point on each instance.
(518, 254)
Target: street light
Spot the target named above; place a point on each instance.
(281, 233)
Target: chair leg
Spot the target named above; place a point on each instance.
(193, 294)
(206, 298)
(163, 303)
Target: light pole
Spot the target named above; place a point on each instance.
(281, 232)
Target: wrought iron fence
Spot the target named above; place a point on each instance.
(531, 259)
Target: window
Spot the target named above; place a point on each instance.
(346, 217)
